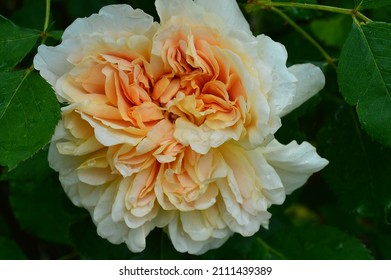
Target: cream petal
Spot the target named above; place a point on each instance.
(66, 166)
(228, 11)
(310, 80)
(78, 149)
(89, 195)
(136, 238)
(51, 62)
(118, 210)
(169, 8)
(112, 231)
(283, 82)
(108, 136)
(111, 18)
(252, 225)
(195, 226)
(201, 138)
(95, 176)
(105, 203)
(294, 163)
(269, 180)
(184, 243)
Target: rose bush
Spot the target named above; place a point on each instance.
(171, 124)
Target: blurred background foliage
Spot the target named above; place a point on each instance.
(343, 212)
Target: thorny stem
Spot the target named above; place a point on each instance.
(353, 12)
(307, 36)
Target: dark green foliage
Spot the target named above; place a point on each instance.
(343, 212)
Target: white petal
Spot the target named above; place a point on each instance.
(105, 203)
(136, 238)
(118, 209)
(95, 176)
(229, 12)
(112, 231)
(294, 163)
(51, 62)
(168, 8)
(269, 180)
(283, 85)
(111, 18)
(310, 80)
(184, 243)
(195, 226)
(89, 195)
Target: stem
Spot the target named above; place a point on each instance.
(352, 12)
(267, 247)
(44, 33)
(47, 16)
(307, 36)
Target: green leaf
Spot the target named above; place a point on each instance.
(31, 13)
(29, 113)
(332, 31)
(371, 4)
(10, 250)
(359, 169)
(56, 34)
(316, 242)
(244, 248)
(15, 43)
(364, 76)
(36, 198)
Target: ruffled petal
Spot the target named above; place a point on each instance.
(184, 243)
(169, 8)
(229, 12)
(112, 18)
(310, 80)
(294, 163)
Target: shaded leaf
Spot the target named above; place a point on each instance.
(85, 8)
(370, 4)
(15, 43)
(364, 76)
(315, 242)
(359, 169)
(30, 13)
(244, 248)
(29, 113)
(36, 200)
(56, 34)
(332, 31)
(90, 245)
(4, 227)
(10, 250)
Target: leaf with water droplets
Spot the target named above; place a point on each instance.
(15, 43)
(316, 242)
(29, 113)
(364, 76)
(359, 169)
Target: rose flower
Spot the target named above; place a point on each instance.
(171, 125)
